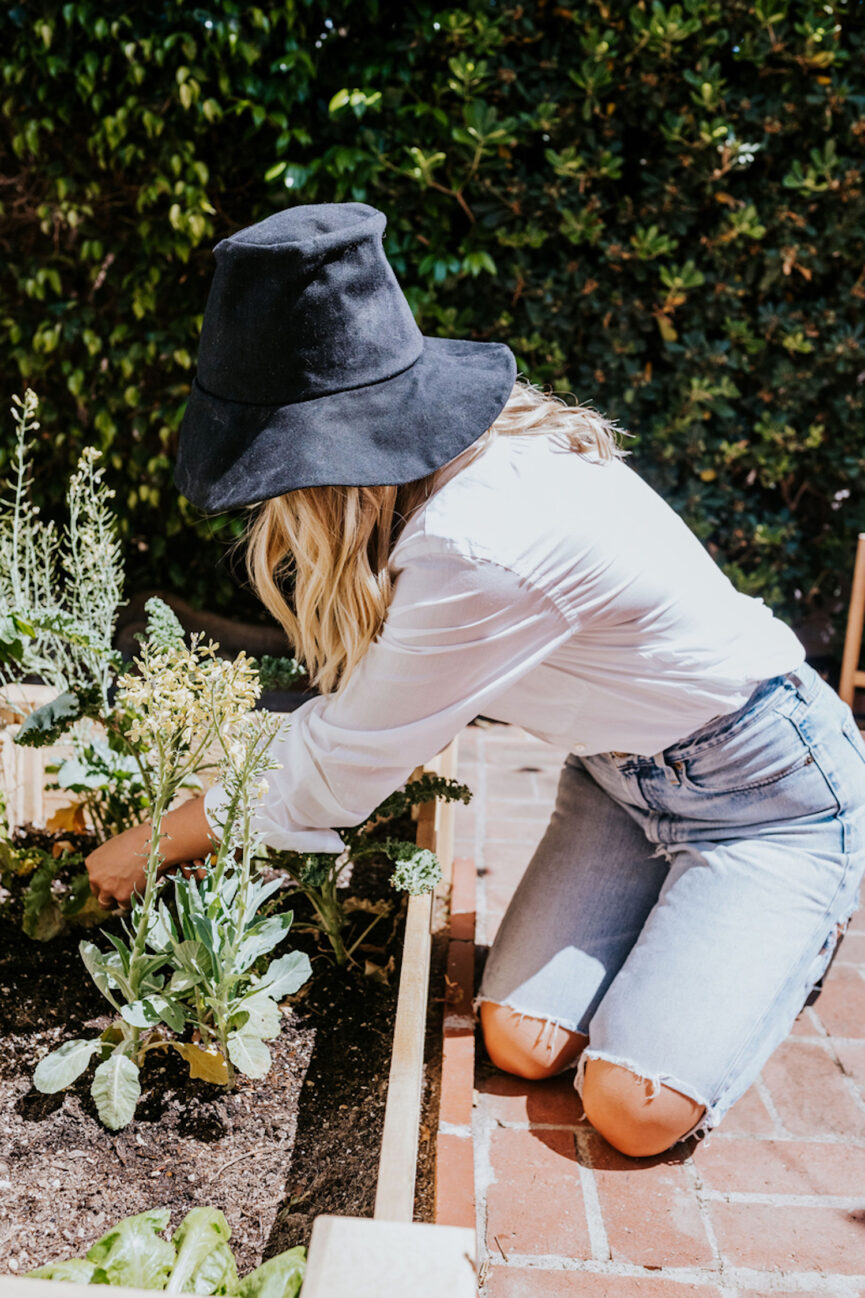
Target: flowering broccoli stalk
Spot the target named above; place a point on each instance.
(195, 971)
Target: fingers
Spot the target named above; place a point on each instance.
(195, 867)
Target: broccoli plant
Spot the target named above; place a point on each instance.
(317, 875)
(188, 980)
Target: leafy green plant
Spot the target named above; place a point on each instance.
(279, 673)
(43, 884)
(417, 870)
(187, 981)
(111, 792)
(197, 1259)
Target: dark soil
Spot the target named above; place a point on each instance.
(272, 1154)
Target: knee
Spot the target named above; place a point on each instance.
(635, 1117)
(526, 1046)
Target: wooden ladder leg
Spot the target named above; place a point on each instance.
(855, 621)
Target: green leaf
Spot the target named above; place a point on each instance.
(49, 723)
(417, 868)
(13, 629)
(149, 1010)
(278, 1277)
(60, 1069)
(115, 1092)
(285, 975)
(76, 1270)
(132, 1253)
(106, 969)
(42, 915)
(261, 938)
(249, 1054)
(263, 1018)
(163, 629)
(205, 1263)
(189, 957)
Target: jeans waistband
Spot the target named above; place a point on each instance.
(804, 679)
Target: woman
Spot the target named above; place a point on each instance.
(708, 840)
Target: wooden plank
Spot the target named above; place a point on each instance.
(394, 1200)
(355, 1257)
(13, 1286)
(850, 676)
(447, 815)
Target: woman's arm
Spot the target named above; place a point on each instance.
(459, 632)
(117, 867)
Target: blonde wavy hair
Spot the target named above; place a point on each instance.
(335, 542)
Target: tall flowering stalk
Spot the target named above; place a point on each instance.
(59, 591)
(181, 702)
(190, 968)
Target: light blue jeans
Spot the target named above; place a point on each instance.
(681, 907)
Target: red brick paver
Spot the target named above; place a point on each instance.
(773, 1204)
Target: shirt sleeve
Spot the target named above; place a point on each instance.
(459, 632)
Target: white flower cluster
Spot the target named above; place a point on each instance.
(182, 697)
(245, 760)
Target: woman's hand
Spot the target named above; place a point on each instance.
(118, 867)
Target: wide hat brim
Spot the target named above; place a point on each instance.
(397, 430)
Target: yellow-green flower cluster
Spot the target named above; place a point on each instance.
(182, 696)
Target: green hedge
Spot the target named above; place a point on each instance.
(660, 207)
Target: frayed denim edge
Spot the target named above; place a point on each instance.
(700, 1129)
(549, 1022)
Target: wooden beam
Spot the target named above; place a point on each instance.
(354, 1257)
(850, 676)
(394, 1200)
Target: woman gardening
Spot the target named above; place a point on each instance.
(461, 544)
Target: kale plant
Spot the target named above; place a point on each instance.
(417, 870)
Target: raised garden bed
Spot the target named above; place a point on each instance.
(310, 1139)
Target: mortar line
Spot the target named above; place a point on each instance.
(600, 1244)
(766, 1096)
(736, 1277)
(482, 1128)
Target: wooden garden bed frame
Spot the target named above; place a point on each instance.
(389, 1254)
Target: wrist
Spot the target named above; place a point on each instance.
(185, 835)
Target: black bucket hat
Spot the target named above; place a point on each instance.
(312, 371)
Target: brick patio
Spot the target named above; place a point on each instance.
(776, 1203)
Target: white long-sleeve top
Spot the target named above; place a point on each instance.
(537, 586)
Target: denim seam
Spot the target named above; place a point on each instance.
(836, 793)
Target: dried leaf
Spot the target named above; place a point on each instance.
(70, 817)
(204, 1065)
(379, 973)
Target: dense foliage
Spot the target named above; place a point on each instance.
(659, 206)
